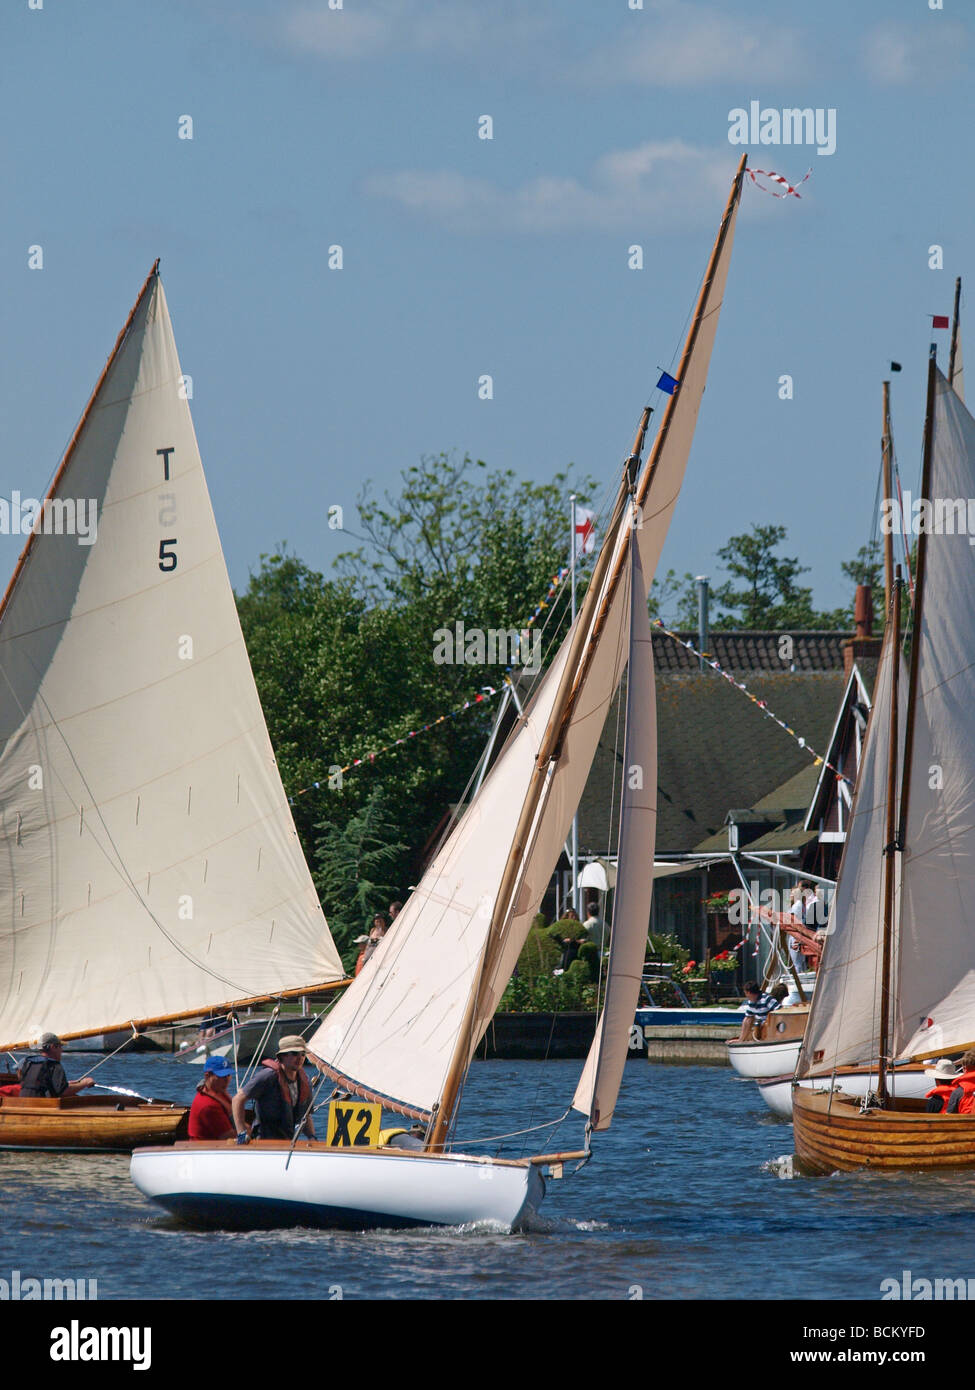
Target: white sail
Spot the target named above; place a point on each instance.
(600, 1081)
(395, 1031)
(936, 949)
(150, 864)
(843, 1022)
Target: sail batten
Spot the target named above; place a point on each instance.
(149, 863)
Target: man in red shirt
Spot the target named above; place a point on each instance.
(210, 1113)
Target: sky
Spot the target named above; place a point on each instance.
(360, 127)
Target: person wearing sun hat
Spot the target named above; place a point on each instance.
(281, 1094)
(211, 1116)
(944, 1074)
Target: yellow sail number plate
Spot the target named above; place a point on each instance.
(353, 1124)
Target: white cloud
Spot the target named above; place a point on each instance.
(900, 53)
(657, 186)
(454, 28)
(675, 44)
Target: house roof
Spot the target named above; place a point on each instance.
(753, 651)
(716, 749)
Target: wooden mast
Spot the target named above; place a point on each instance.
(886, 450)
(897, 838)
(891, 843)
(954, 333)
(584, 642)
(922, 550)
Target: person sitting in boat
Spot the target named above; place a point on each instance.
(281, 1094)
(962, 1099)
(211, 1114)
(41, 1073)
(758, 1006)
(946, 1075)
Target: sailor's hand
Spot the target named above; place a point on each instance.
(243, 1137)
(84, 1083)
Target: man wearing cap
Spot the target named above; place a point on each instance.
(41, 1073)
(281, 1094)
(211, 1116)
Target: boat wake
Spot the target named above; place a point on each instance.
(782, 1167)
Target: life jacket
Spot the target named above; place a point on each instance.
(966, 1106)
(304, 1089)
(12, 1090)
(944, 1091)
(36, 1074)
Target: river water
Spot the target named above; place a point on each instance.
(687, 1196)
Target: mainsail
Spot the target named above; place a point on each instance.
(935, 957)
(150, 864)
(433, 985)
(843, 1023)
(933, 947)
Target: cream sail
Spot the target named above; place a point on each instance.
(600, 1081)
(151, 866)
(433, 986)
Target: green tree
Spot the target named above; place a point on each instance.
(768, 595)
(357, 868)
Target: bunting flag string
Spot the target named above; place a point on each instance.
(777, 178)
(486, 693)
(818, 760)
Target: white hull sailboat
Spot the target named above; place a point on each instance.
(151, 868)
(906, 1083)
(313, 1185)
(405, 1032)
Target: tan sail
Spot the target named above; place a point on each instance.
(150, 862)
(414, 1017)
(601, 1077)
(843, 1024)
(935, 958)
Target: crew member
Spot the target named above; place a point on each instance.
(281, 1094)
(758, 1006)
(41, 1073)
(211, 1114)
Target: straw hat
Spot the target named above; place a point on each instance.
(291, 1044)
(946, 1070)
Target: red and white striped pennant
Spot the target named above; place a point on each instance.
(777, 178)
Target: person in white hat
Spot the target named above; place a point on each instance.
(281, 1093)
(944, 1075)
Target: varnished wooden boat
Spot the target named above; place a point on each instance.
(89, 1124)
(833, 1133)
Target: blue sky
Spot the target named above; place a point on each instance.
(315, 126)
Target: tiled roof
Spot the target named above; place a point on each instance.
(716, 750)
(754, 651)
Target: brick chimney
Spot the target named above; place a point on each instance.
(862, 643)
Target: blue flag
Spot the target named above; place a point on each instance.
(668, 383)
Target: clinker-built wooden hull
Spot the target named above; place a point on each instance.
(832, 1133)
(89, 1123)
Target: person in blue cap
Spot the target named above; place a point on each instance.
(210, 1114)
